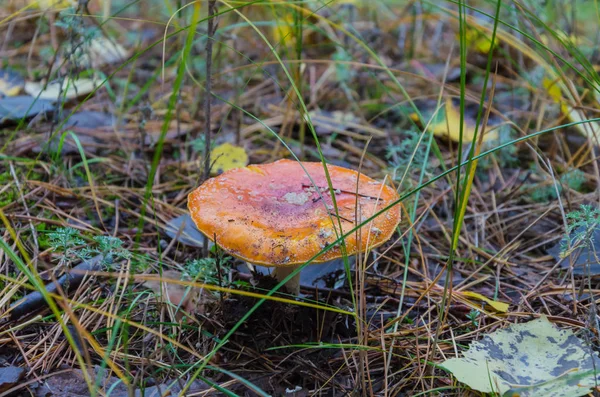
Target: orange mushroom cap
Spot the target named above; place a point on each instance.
(272, 214)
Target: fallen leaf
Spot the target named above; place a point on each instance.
(283, 31)
(23, 106)
(533, 359)
(478, 41)
(89, 119)
(327, 122)
(564, 38)
(11, 83)
(52, 4)
(55, 91)
(183, 229)
(553, 89)
(44, 5)
(105, 51)
(574, 115)
(583, 258)
(500, 307)
(184, 299)
(226, 157)
(591, 129)
(10, 377)
(447, 125)
(97, 52)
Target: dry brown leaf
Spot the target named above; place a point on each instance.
(184, 299)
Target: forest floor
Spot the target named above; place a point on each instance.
(95, 170)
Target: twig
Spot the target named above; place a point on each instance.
(339, 216)
(68, 281)
(342, 191)
(208, 86)
(208, 97)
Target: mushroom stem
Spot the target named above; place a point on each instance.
(293, 284)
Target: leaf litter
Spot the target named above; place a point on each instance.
(504, 266)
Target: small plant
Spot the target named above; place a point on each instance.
(206, 270)
(109, 247)
(71, 22)
(505, 157)
(472, 316)
(140, 263)
(573, 179)
(344, 72)
(580, 229)
(403, 155)
(67, 241)
(72, 245)
(7, 196)
(198, 145)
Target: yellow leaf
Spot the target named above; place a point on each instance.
(478, 41)
(590, 129)
(53, 4)
(226, 157)
(563, 38)
(283, 32)
(10, 83)
(501, 307)
(553, 89)
(69, 89)
(449, 126)
(530, 359)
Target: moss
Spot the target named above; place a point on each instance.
(43, 239)
(546, 191)
(9, 195)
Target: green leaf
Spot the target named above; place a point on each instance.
(533, 359)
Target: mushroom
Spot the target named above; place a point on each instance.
(276, 215)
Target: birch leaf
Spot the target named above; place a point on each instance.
(500, 307)
(449, 126)
(533, 359)
(69, 89)
(226, 157)
(52, 4)
(574, 115)
(590, 129)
